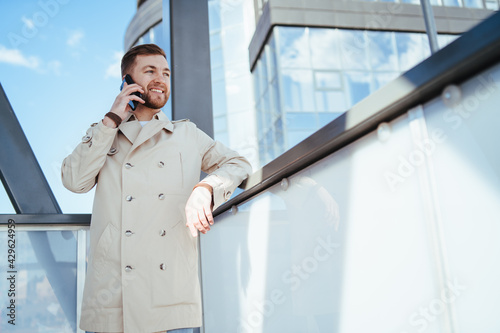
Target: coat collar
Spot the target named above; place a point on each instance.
(131, 128)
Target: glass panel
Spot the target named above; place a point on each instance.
(218, 74)
(399, 228)
(215, 40)
(295, 121)
(257, 81)
(222, 137)
(238, 91)
(357, 86)
(220, 123)
(219, 98)
(214, 15)
(273, 62)
(335, 243)
(411, 48)
(270, 144)
(235, 47)
(264, 77)
(40, 288)
(466, 149)
(280, 139)
(216, 58)
(382, 52)
(231, 12)
(451, 3)
(328, 80)
(293, 47)
(276, 103)
(473, 3)
(298, 90)
(324, 48)
(353, 47)
(330, 101)
(492, 4)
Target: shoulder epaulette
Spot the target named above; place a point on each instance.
(180, 121)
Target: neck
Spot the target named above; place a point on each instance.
(145, 114)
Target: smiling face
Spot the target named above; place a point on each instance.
(152, 73)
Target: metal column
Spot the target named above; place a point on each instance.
(190, 51)
(430, 25)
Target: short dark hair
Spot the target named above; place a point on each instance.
(144, 49)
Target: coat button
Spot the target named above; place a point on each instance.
(129, 198)
(163, 267)
(128, 165)
(112, 150)
(128, 233)
(161, 196)
(86, 138)
(161, 164)
(128, 268)
(162, 232)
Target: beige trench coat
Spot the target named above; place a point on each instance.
(142, 273)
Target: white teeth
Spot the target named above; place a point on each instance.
(156, 90)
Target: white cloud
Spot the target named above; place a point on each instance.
(75, 38)
(114, 69)
(15, 57)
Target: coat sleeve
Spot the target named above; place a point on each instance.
(80, 169)
(226, 169)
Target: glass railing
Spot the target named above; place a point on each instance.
(395, 231)
(43, 272)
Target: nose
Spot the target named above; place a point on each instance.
(159, 78)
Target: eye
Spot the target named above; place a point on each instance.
(166, 74)
(150, 71)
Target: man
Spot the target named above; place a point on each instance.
(142, 273)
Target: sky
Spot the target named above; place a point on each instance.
(60, 69)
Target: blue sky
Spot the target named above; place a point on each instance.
(59, 66)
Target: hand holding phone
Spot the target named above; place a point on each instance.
(128, 79)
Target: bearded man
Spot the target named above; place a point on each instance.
(149, 205)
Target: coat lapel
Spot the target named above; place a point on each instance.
(138, 135)
(130, 129)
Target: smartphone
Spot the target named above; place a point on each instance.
(128, 79)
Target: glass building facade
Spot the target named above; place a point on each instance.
(486, 4)
(306, 77)
(231, 25)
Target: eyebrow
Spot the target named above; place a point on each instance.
(154, 67)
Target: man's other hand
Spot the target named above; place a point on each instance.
(198, 211)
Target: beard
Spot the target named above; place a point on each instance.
(154, 102)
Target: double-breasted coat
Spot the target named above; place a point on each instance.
(142, 273)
